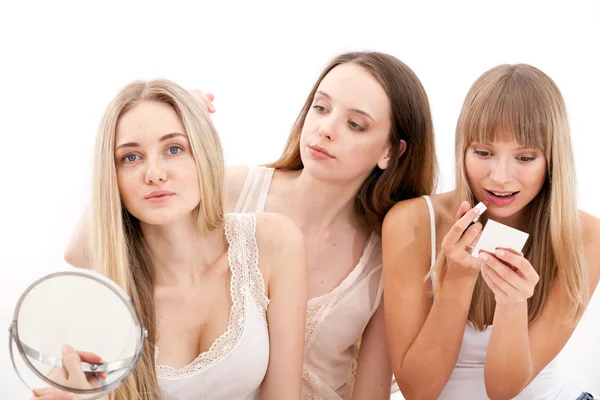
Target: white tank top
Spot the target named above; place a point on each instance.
(467, 380)
(236, 363)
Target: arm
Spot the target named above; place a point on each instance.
(286, 313)
(517, 353)
(373, 379)
(77, 251)
(423, 338)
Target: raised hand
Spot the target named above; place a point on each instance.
(457, 243)
(71, 375)
(509, 275)
(206, 99)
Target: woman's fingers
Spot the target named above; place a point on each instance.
(520, 263)
(57, 374)
(89, 357)
(72, 364)
(205, 99)
(462, 209)
(491, 282)
(470, 235)
(457, 230)
(502, 275)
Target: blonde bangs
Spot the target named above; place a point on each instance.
(507, 109)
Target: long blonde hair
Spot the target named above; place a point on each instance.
(520, 102)
(118, 249)
(412, 175)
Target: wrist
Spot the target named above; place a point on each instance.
(457, 291)
(511, 309)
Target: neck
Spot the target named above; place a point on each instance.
(323, 204)
(179, 252)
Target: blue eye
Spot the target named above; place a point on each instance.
(175, 150)
(130, 158)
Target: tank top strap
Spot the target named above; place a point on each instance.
(255, 190)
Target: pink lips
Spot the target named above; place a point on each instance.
(159, 196)
(501, 201)
(320, 152)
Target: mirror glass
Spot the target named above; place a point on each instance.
(91, 316)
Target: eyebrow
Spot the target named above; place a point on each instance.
(356, 110)
(162, 139)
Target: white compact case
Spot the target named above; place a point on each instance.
(496, 235)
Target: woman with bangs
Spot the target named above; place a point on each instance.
(461, 327)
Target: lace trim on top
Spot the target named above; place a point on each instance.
(242, 256)
(245, 235)
(317, 306)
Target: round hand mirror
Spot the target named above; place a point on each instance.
(76, 331)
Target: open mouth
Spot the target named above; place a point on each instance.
(502, 195)
(501, 198)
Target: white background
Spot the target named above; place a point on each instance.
(61, 63)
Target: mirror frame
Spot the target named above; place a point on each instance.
(14, 333)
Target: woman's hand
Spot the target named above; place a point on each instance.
(206, 99)
(457, 243)
(509, 275)
(71, 375)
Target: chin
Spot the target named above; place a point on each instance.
(318, 169)
(157, 218)
(504, 212)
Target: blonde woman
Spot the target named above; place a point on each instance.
(495, 323)
(362, 141)
(223, 296)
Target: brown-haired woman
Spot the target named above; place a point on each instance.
(499, 320)
(362, 141)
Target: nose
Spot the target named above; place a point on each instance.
(327, 129)
(155, 173)
(501, 172)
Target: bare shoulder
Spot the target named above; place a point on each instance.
(411, 217)
(281, 247)
(405, 215)
(590, 232)
(234, 182)
(277, 235)
(590, 227)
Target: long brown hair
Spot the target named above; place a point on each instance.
(412, 175)
(118, 248)
(520, 102)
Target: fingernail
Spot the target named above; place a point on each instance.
(35, 392)
(211, 108)
(67, 349)
(500, 252)
(483, 256)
